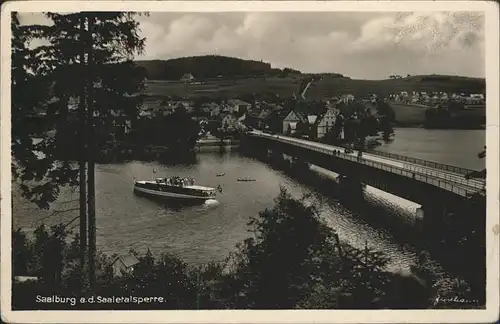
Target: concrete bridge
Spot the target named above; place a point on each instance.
(439, 188)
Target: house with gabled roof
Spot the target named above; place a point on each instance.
(292, 119)
(325, 122)
(124, 264)
(187, 77)
(228, 121)
(238, 105)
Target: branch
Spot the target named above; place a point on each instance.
(72, 227)
(68, 201)
(56, 212)
(71, 221)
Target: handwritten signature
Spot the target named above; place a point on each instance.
(454, 300)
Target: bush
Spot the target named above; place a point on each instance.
(291, 260)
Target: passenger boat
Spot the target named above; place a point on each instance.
(175, 188)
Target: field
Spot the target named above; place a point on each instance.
(322, 89)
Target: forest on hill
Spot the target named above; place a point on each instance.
(210, 67)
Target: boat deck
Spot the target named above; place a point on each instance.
(194, 187)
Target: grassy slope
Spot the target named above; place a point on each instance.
(322, 89)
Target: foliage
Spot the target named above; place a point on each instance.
(441, 284)
(47, 73)
(34, 162)
(177, 131)
(292, 260)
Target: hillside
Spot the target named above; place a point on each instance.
(326, 88)
(221, 76)
(207, 67)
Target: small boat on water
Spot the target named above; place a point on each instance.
(245, 179)
(221, 174)
(175, 188)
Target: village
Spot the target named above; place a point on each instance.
(214, 120)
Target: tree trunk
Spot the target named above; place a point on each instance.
(91, 154)
(83, 152)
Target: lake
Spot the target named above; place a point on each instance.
(199, 234)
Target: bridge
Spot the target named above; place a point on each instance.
(433, 185)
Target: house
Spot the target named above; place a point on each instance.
(264, 113)
(274, 106)
(188, 77)
(326, 122)
(215, 112)
(186, 105)
(120, 127)
(207, 108)
(237, 105)
(290, 122)
(274, 120)
(229, 121)
(349, 98)
(124, 264)
(112, 125)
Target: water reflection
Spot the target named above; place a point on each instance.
(178, 159)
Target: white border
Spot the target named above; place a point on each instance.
(289, 316)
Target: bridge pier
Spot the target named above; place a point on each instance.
(298, 165)
(350, 189)
(431, 217)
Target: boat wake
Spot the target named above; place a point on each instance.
(211, 202)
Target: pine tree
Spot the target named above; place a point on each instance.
(34, 164)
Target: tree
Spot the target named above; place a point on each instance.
(103, 45)
(179, 131)
(275, 267)
(294, 260)
(21, 253)
(36, 165)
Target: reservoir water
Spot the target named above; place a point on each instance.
(199, 234)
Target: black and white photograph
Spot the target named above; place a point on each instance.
(193, 156)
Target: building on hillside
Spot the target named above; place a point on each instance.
(188, 77)
(349, 98)
(215, 112)
(228, 121)
(326, 122)
(274, 120)
(290, 122)
(124, 265)
(237, 105)
(206, 108)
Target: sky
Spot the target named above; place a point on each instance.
(361, 45)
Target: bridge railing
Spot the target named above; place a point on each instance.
(429, 179)
(458, 178)
(430, 164)
(462, 190)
